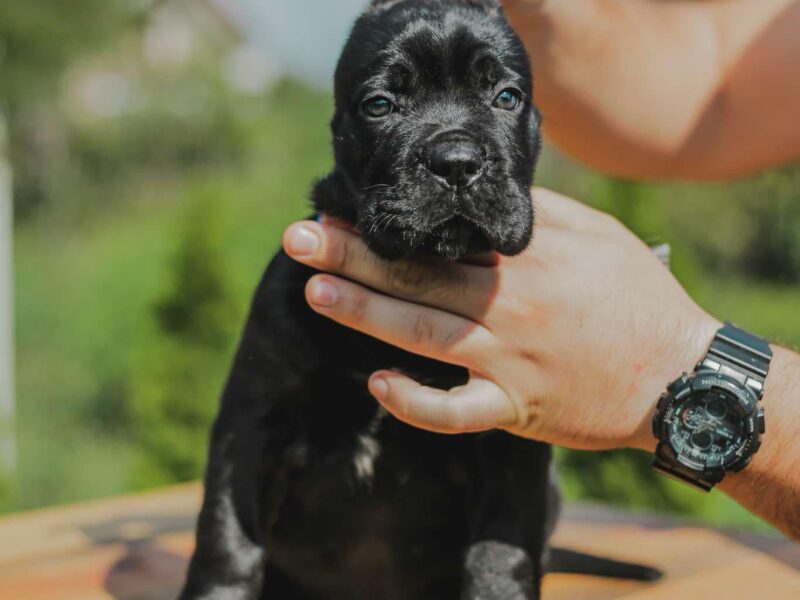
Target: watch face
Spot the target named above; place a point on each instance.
(707, 429)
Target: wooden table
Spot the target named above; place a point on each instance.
(135, 547)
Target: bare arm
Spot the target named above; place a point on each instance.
(770, 486)
(647, 89)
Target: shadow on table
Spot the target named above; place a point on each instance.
(147, 571)
(774, 544)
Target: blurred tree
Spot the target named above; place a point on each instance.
(635, 204)
(176, 379)
(163, 136)
(625, 477)
(196, 309)
(38, 40)
(772, 207)
(747, 229)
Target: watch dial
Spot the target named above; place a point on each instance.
(707, 429)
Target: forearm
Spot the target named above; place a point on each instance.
(648, 89)
(770, 485)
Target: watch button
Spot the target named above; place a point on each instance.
(655, 425)
(678, 383)
(743, 464)
(762, 421)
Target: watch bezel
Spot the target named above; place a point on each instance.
(702, 382)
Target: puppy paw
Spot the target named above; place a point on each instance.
(497, 571)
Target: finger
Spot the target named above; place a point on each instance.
(487, 259)
(562, 212)
(457, 288)
(419, 329)
(478, 406)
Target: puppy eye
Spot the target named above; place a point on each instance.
(377, 107)
(508, 99)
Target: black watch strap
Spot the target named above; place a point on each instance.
(743, 357)
(668, 464)
(735, 354)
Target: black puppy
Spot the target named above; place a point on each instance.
(312, 491)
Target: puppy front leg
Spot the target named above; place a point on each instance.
(249, 463)
(245, 482)
(504, 561)
(496, 570)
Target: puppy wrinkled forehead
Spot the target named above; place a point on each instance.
(434, 42)
(436, 52)
(446, 51)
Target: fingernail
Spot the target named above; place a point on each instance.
(323, 293)
(378, 387)
(303, 242)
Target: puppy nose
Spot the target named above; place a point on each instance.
(456, 161)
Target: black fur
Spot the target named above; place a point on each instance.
(312, 491)
(442, 62)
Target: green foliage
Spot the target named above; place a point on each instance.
(626, 479)
(103, 299)
(173, 399)
(38, 39)
(191, 121)
(759, 238)
(7, 500)
(197, 309)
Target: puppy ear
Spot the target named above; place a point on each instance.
(490, 6)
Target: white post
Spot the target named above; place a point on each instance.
(8, 446)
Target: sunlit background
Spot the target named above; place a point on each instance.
(159, 148)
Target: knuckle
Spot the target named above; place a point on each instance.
(452, 337)
(528, 413)
(451, 285)
(358, 307)
(422, 329)
(406, 277)
(513, 307)
(464, 339)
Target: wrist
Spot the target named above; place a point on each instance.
(779, 401)
(688, 346)
(769, 486)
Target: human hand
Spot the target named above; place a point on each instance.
(570, 343)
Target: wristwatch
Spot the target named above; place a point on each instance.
(710, 422)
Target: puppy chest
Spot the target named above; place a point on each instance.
(388, 508)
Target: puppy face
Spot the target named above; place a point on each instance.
(435, 134)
